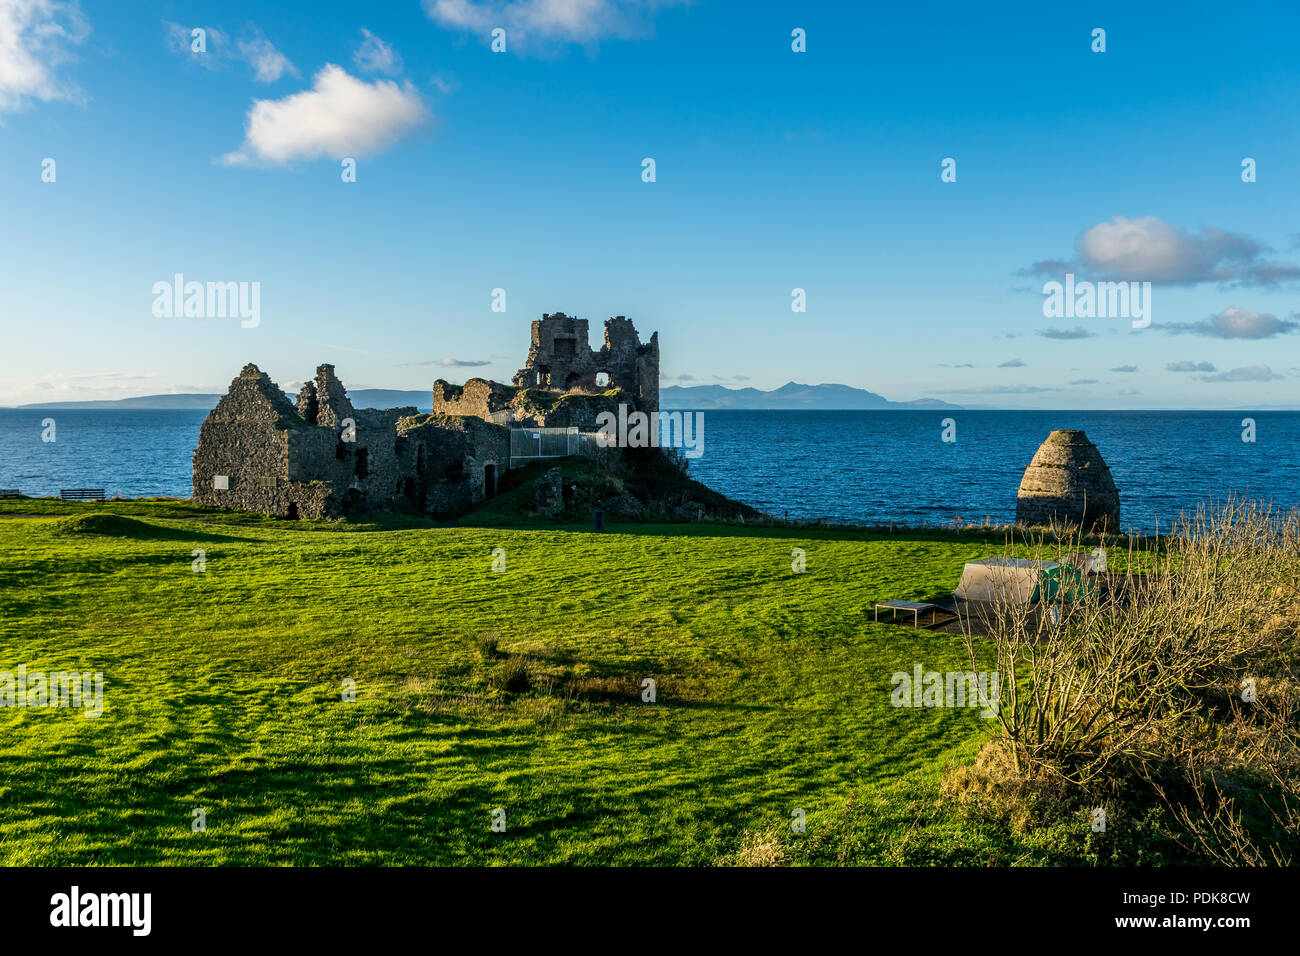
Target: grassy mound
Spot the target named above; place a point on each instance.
(110, 524)
(102, 523)
(646, 479)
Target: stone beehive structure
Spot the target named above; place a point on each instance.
(1068, 482)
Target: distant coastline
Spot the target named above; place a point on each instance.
(792, 395)
(422, 399)
(789, 397)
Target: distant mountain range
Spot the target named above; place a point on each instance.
(791, 395)
(422, 399)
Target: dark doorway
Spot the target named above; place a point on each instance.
(363, 463)
(293, 511)
(489, 481)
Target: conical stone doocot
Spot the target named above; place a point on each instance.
(1068, 482)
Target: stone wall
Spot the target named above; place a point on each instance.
(325, 458)
(244, 443)
(452, 460)
(477, 397)
(532, 409)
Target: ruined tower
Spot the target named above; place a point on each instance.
(1068, 482)
(560, 358)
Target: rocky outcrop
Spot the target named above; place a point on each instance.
(623, 506)
(1068, 482)
(548, 494)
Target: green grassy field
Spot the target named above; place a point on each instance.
(223, 691)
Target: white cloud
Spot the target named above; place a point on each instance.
(570, 21)
(254, 49)
(339, 116)
(268, 63)
(445, 84)
(36, 37)
(1001, 390)
(1078, 332)
(376, 56)
(1237, 323)
(1251, 373)
(1149, 249)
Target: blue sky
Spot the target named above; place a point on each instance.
(775, 170)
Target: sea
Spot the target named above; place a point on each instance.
(857, 467)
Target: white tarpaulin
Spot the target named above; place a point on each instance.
(1005, 580)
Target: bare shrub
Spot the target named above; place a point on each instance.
(488, 645)
(993, 789)
(1113, 673)
(512, 676)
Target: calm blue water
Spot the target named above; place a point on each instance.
(133, 453)
(869, 467)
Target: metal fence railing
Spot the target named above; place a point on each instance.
(531, 443)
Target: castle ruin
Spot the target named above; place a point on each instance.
(321, 457)
(560, 359)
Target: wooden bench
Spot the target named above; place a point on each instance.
(913, 606)
(82, 494)
(10, 493)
